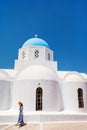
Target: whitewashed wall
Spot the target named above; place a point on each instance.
(70, 96)
(25, 91)
(5, 95)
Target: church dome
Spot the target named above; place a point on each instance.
(35, 42)
(38, 72)
(74, 77)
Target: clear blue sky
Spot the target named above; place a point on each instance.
(61, 23)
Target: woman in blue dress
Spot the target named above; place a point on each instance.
(20, 118)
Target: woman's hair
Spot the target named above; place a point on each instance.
(20, 103)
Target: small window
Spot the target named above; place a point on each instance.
(49, 56)
(80, 98)
(23, 54)
(39, 99)
(36, 53)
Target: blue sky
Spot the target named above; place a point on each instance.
(61, 23)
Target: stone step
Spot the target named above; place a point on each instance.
(8, 119)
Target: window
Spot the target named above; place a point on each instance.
(36, 53)
(39, 93)
(80, 98)
(23, 54)
(49, 56)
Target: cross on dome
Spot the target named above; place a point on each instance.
(36, 35)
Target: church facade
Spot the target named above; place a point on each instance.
(36, 81)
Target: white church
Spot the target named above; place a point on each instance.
(46, 93)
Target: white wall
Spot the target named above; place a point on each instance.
(5, 95)
(25, 91)
(29, 54)
(70, 96)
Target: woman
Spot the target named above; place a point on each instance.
(20, 118)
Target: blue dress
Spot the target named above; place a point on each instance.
(20, 118)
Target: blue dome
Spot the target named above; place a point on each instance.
(35, 42)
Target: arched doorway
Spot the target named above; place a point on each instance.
(39, 93)
(80, 98)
